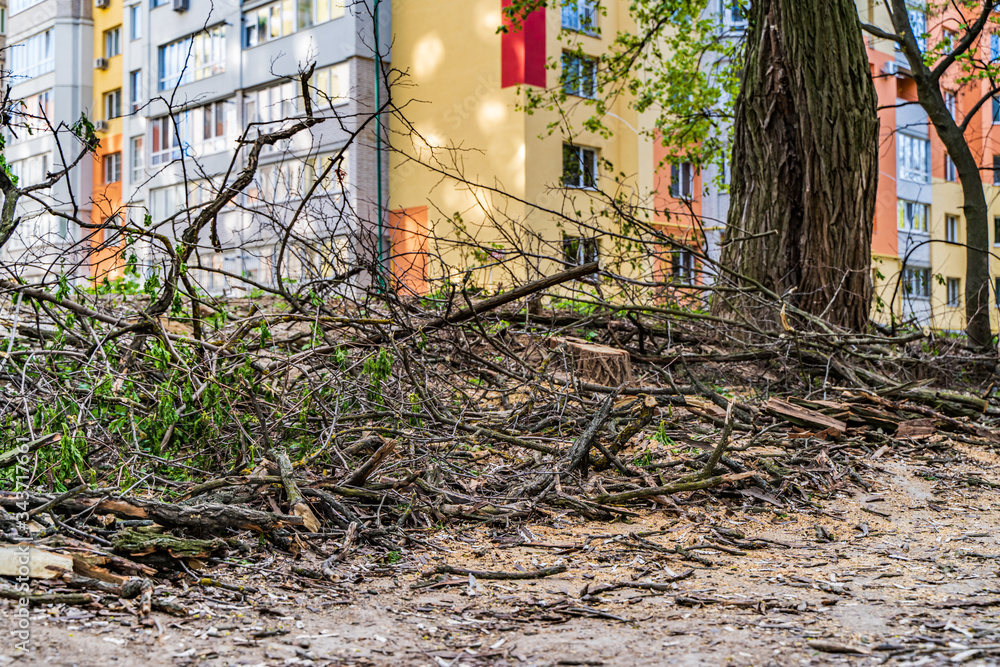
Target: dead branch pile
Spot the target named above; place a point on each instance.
(337, 424)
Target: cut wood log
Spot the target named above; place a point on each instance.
(360, 476)
(208, 517)
(916, 428)
(579, 453)
(295, 500)
(89, 567)
(803, 416)
(599, 363)
(139, 542)
(20, 559)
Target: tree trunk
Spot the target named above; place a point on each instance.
(805, 162)
(975, 208)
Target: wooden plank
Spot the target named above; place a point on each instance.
(803, 416)
(37, 563)
(916, 428)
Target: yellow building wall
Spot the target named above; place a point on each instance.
(112, 77)
(993, 200)
(947, 261)
(107, 199)
(452, 53)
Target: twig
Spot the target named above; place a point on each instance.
(499, 576)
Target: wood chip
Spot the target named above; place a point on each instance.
(835, 647)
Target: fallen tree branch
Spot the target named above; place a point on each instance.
(580, 451)
(493, 303)
(168, 514)
(499, 576)
(611, 498)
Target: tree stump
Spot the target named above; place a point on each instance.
(597, 363)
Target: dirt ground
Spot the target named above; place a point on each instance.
(903, 574)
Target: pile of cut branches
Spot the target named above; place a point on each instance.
(338, 425)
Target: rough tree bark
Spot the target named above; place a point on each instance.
(805, 162)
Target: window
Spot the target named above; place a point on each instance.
(17, 6)
(282, 18)
(947, 40)
(164, 202)
(279, 181)
(954, 292)
(33, 113)
(334, 181)
(996, 170)
(912, 216)
(996, 290)
(950, 102)
(918, 21)
(33, 56)
(913, 155)
(112, 167)
(201, 130)
(112, 232)
(950, 173)
(211, 123)
(579, 75)
(682, 266)
(113, 104)
(682, 180)
(31, 171)
(3, 20)
(193, 58)
(579, 251)
(157, 3)
(580, 16)
(996, 230)
(271, 104)
(113, 42)
(951, 228)
(135, 90)
(579, 167)
(327, 10)
(994, 47)
(917, 283)
(734, 14)
(167, 141)
(330, 86)
(135, 22)
(138, 160)
(996, 110)
(213, 120)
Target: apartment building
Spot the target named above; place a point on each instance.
(479, 182)
(54, 87)
(196, 77)
(918, 262)
(171, 87)
(3, 40)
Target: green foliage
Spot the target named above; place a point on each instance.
(84, 130)
(377, 369)
(661, 436)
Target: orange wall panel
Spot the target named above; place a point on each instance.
(409, 230)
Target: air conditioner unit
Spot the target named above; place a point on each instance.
(102, 4)
(180, 5)
(101, 126)
(891, 68)
(101, 63)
